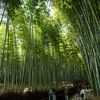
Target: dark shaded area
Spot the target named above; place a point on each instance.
(38, 95)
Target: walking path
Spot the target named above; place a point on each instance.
(91, 96)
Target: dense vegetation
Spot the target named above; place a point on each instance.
(43, 43)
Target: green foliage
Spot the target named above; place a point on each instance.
(83, 17)
(38, 49)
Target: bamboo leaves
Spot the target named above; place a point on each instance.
(36, 51)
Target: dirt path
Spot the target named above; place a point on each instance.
(93, 97)
(90, 96)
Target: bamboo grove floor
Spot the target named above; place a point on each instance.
(43, 95)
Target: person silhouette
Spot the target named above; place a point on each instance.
(66, 93)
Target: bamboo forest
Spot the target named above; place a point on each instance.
(49, 44)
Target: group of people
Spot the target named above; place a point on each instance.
(52, 94)
(82, 93)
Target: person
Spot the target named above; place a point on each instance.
(66, 93)
(78, 93)
(89, 90)
(84, 92)
(26, 90)
(50, 92)
(54, 94)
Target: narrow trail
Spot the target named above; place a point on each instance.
(91, 96)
